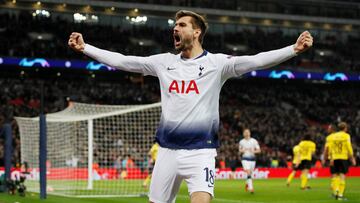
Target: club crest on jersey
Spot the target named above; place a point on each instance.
(201, 69)
(182, 87)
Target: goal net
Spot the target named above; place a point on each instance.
(92, 150)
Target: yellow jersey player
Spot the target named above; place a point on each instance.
(340, 151)
(307, 149)
(331, 129)
(153, 154)
(295, 164)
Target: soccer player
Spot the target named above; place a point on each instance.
(248, 147)
(153, 154)
(295, 164)
(340, 151)
(331, 129)
(190, 84)
(307, 150)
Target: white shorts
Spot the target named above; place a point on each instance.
(248, 165)
(196, 167)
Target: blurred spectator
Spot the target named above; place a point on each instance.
(334, 52)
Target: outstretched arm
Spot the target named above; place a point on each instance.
(113, 59)
(237, 66)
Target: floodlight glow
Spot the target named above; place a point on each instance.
(43, 13)
(171, 22)
(137, 19)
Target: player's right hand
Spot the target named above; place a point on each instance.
(76, 42)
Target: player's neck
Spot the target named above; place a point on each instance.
(193, 52)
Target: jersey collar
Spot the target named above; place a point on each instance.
(201, 55)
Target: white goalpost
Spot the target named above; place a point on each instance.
(92, 150)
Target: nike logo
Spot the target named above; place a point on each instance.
(210, 186)
(168, 68)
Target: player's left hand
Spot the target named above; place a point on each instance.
(303, 43)
(323, 162)
(353, 161)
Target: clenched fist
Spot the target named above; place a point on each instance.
(304, 42)
(76, 42)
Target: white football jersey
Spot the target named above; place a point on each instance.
(190, 89)
(249, 146)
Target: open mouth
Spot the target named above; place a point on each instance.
(177, 39)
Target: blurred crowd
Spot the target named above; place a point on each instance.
(278, 112)
(24, 35)
(325, 9)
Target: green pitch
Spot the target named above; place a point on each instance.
(228, 191)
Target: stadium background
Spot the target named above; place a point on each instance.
(278, 109)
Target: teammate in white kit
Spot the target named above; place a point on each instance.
(190, 84)
(248, 147)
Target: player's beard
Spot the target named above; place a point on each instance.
(185, 44)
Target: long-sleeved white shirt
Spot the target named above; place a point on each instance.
(190, 89)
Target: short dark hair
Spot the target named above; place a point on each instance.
(197, 21)
(307, 136)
